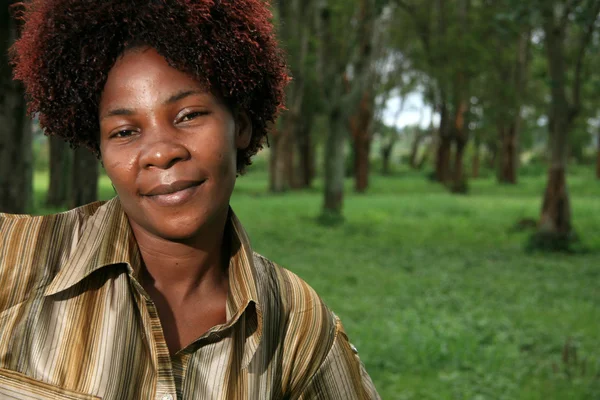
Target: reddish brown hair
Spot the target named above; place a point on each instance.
(67, 48)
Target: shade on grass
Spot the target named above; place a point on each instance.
(436, 290)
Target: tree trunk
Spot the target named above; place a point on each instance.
(273, 133)
(279, 181)
(556, 209)
(84, 188)
(461, 92)
(16, 172)
(59, 168)
(443, 174)
(296, 32)
(459, 181)
(360, 123)
(461, 138)
(443, 158)
(554, 227)
(305, 169)
(385, 161)
(429, 147)
(362, 147)
(386, 154)
(598, 159)
(509, 155)
(555, 217)
(281, 157)
(443, 153)
(361, 135)
(414, 149)
(334, 164)
(510, 126)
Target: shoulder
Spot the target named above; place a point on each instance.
(21, 232)
(296, 299)
(32, 249)
(320, 361)
(308, 327)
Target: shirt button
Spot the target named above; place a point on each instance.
(167, 397)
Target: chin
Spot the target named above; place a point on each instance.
(178, 229)
(187, 223)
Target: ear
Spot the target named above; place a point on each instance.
(243, 130)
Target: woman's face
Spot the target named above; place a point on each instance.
(168, 146)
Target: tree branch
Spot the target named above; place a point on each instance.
(409, 8)
(324, 50)
(571, 5)
(423, 29)
(583, 45)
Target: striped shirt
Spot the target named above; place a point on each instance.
(75, 323)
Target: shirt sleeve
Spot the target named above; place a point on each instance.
(341, 376)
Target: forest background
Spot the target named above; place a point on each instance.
(433, 178)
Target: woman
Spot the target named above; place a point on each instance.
(157, 294)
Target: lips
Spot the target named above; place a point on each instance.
(175, 194)
(171, 188)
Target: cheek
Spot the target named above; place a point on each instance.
(228, 162)
(220, 152)
(119, 169)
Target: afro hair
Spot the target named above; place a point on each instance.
(68, 47)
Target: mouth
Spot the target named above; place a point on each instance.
(174, 193)
(172, 188)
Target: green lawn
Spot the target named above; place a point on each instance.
(435, 290)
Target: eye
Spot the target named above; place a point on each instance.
(123, 133)
(192, 115)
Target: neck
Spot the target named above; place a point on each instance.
(184, 269)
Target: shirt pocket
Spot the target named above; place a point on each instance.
(16, 386)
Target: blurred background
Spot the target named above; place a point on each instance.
(433, 178)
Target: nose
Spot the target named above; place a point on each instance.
(163, 152)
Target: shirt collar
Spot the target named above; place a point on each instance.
(243, 284)
(105, 238)
(242, 271)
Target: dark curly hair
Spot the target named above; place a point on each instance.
(67, 48)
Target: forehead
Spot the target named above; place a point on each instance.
(143, 72)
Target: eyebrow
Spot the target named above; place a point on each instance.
(182, 95)
(173, 99)
(117, 111)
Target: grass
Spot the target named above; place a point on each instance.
(435, 290)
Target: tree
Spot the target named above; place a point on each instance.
(444, 30)
(504, 86)
(58, 188)
(430, 22)
(335, 54)
(388, 137)
(295, 29)
(84, 187)
(461, 97)
(371, 33)
(509, 122)
(598, 156)
(305, 143)
(560, 20)
(16, 176)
